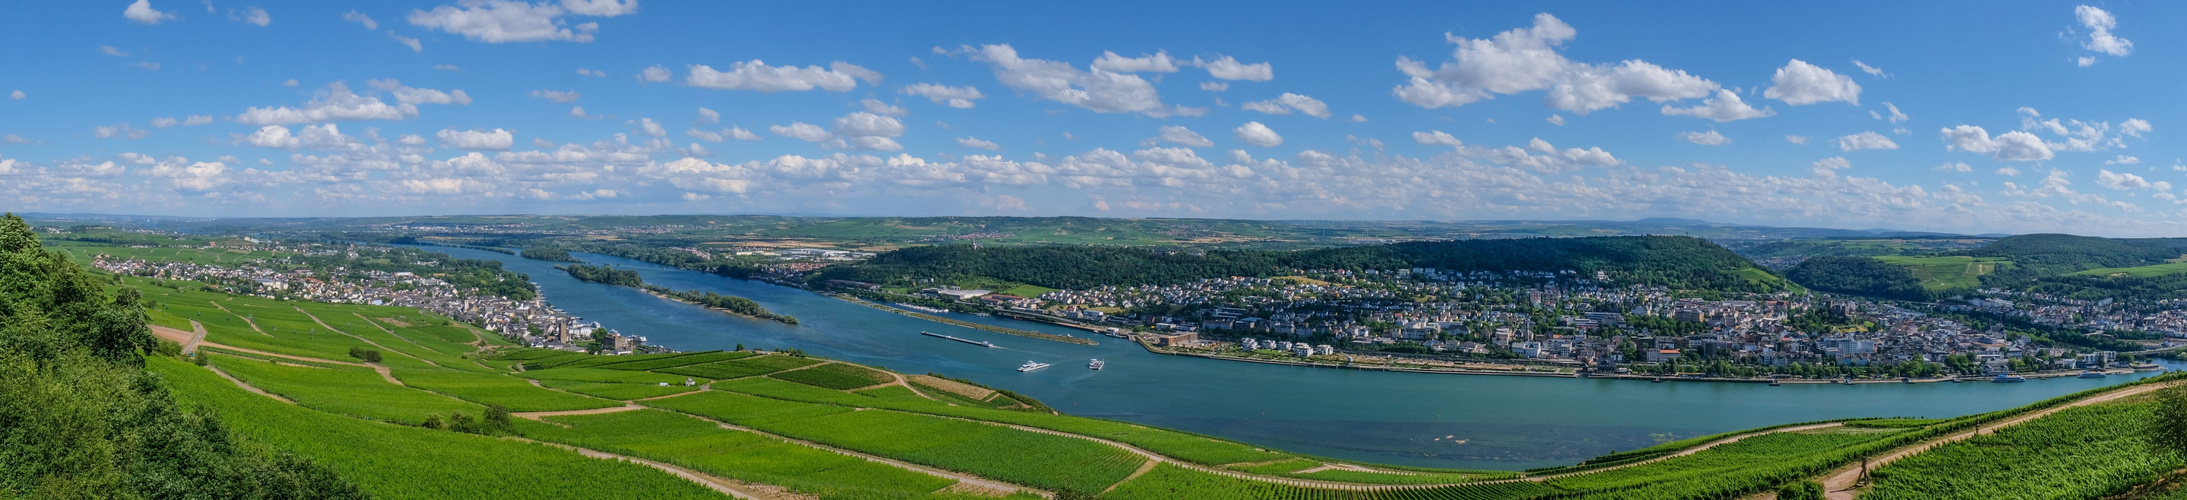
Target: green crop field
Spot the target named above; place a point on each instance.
(2089, 452)
(357, 392)
(685, 360)
(399, 462)
(690, 442)
(618, 391)
(1179, 445)
(1170, 482)
(744, 410)
(743, 367)
(1033, 459)
(1729, 458)
(603, 375)
(513, 393)
(841, 376)
(1941, 273)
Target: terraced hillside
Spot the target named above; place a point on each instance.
(772, 425)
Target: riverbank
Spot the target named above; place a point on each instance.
(967, 324)
(1355, 366)
(1605, 376)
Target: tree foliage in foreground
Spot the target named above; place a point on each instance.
(81, 418)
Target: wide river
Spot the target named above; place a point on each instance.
(1458, 421)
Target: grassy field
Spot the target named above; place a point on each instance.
(513, 393)
(1941, 273)
(690, 442)
(352, 391)
(1021, 457)
(743, 367)
(1026, 290)
(2138, 272)
(841, 376)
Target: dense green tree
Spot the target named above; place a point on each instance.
(603, 274)
(81, 418)
(1859, 276)
(2168, 425)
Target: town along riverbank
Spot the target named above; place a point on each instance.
(1506, 423)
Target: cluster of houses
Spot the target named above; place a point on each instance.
(1562, 318)
(530, 321)
(1300, 349)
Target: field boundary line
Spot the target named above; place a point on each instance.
(331, 328)
(725, 486)
(383, 371)
(246, 319)
(977, 481)
(248, 387)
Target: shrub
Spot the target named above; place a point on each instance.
(368, 355)
(433, 421)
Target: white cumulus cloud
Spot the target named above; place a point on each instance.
(1709, 138)
(955, 97)
(1179, 135)
(972, 142)
(1158, 62)
(1096, 89)
(1800, 83)
(1726, 106)
(2100, 23)
(477, 140)
(1282, 105)
(1257, 134)
(142, 12)
(2010, 146)
(757, 75)
(1527, 59)
(1865, 140)
(502, 21)
(1228, 68)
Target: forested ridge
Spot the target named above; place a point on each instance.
(81, 418)
(1671, 261)
(1859, 276)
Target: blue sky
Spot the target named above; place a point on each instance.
(1959, 116)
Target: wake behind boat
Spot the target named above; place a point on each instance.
(1031, 365)
(959, 339)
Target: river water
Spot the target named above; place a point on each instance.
(1458, 421)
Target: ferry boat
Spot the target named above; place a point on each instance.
(2008, 379)
(1031, 365)
(2092, 374)
(1095, 365)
